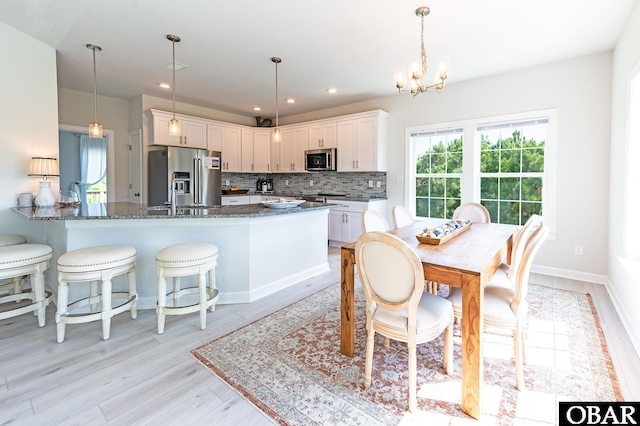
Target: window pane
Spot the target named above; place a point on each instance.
(489, 188)
(509, 188)
(533, 160)
(452, 205)
(510, 212)
(454, 162)
(437, 187)
(422, 207)
(510, 161)
(422, 187)
(528, 210)
(438, 163)
(453, 187)
(532, 189)
(492, 206)
(436, 207)
(489, 162)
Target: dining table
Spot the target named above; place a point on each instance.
(467, 260)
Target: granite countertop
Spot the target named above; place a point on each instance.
(346, 197)
(122, 210)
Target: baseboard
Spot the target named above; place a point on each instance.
(572, 275)
(630, 328)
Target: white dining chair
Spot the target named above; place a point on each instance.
(371, 220)
(506, 307)
(401, 216)
(475, 212)
(392, 278)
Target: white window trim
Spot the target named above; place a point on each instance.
(470, 185)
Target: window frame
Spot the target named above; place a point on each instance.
(470, 183)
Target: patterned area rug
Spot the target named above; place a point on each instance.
(289, 365)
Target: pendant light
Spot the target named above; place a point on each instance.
(276, 132)
(174, 125)
(95, 128)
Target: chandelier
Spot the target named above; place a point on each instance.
(417, 68)
(95, 128)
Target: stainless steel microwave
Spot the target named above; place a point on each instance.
(318, 160)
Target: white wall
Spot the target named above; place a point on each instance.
(624, 276)
(581, 91)
(28, 121)
(76, 108)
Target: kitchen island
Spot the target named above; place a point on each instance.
(261, 250)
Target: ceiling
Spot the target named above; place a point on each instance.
(352, 45)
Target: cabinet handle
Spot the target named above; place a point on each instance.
(357, 164)
(251, 166)
(268, 167)
(185, 140)
(354, 164)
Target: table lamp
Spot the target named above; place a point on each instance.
(44, 166)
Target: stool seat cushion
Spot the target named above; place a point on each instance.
(11, 239)
(96, 258)
(187, 254)
(24, 254)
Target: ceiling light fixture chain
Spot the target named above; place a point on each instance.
(276, 132)
(174, 124)
(417, 69)
(95, 128)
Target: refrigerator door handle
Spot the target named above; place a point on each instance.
(196, 181)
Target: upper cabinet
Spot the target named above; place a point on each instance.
(256, 150)
(362, 142)
(323, 134)
(227, 140)
(194, 131)
(295, 141)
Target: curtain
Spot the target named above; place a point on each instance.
(93, 163)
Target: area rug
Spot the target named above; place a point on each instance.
(288, 364)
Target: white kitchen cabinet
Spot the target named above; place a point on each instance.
(259, 153)
(227, 140)
(345, 223)
(362, 142)
(294, 143)
(323, 134)
(194, 131)
(247, 151)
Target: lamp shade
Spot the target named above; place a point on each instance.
(43, 166)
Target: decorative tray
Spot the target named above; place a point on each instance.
(236, 191)
(282, 203)
(443, 233)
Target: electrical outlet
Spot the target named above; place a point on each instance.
(286, 182)
(578, 250)
(378, 184)
(370, 184)
(310, 183)
(228, 183)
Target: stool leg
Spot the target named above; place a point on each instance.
(63, 298)
(107, 312)
(176, 289)
(131, 275)
(212, 287)
(93, 297)
(162, 300)
(202, 287)
(37, 286)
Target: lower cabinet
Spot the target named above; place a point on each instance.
(236, 200)
(345, 223)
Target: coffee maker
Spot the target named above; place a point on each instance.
(264, 185)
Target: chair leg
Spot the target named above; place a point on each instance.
(162, 301)
(133, 292)
(448, 348)
(63, 299)
(212, 287)
(37, 286)
(368, 363)
(518, 345)
(107, 312)
(413, 403)
(202, 290)
(387, 342)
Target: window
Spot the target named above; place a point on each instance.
(512, 169)
(438, 170)
(507, 163)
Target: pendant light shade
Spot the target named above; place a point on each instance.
(95, 128)
(277, 137)
(175, 127)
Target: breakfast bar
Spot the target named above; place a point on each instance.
(261, 250)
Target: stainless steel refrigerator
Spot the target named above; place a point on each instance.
(195, 174)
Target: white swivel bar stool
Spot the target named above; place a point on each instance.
(183, 260)
(93, 264)
(12, 285)
(19, 260)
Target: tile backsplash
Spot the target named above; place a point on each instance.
(352, 183)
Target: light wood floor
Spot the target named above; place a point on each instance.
(140, 377)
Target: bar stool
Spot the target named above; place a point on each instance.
(12, 285)
(19, 260)
(93, 264)
(184, 260)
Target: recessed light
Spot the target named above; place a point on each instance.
(332, 90)
(291, 100)
(257, 108)
(164, 85)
